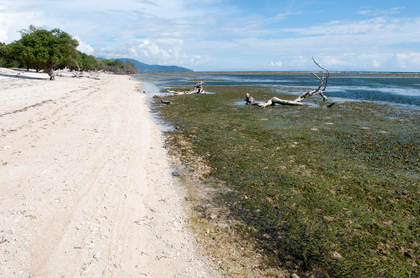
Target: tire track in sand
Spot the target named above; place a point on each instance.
(88, 189)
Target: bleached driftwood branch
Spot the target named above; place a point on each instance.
(78, 74)
(272, 101)
(198, 89)
(321, 82)
(275, 100)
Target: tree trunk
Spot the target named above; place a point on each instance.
(275, 100)
(198, 89)
(51, 73)
(249, 99)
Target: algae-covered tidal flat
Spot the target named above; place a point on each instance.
(323, 191)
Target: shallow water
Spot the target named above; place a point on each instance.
(151, 89)
(390, 89)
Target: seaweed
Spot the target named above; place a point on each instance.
(323, 191)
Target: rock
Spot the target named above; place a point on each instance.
(166, 102)
(336, 256)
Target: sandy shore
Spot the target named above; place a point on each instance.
(85, 183)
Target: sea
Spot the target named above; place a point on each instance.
(399, 89)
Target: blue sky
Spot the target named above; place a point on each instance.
(225, 35)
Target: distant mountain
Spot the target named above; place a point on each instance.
(145, 68)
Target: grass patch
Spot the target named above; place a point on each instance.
(330, 192)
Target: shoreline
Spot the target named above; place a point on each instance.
(385, 74)
(395, 90)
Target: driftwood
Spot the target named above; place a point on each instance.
(272, 101)
(198, 89)
(51, 73)
(275, 100)
(167, 102)
(78, 74)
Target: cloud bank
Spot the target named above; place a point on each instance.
(231, 35)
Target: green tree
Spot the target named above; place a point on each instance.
(108, 65)
(85, 62)
(130, 68)
(5, 59)
(89, 62)
(2, 53)
(42, 49)
(120, 67)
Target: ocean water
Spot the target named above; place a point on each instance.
(393, 89)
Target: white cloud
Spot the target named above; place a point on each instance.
(162, 50)
(151, 51)
(10, 27)
(404, 61)
(276, 64)
(3, 34)
(375, 25)
(218, 35)
(376, 63)
(391, 11)
(84, 47)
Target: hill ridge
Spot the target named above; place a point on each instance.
(145, 68)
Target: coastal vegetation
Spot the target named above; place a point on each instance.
(40, 49)
(321, 191)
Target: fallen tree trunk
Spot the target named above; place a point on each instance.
(249, 100)
(198, 89)
(275, 100)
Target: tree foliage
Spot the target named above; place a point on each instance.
(85, 62)
(6, 60)
(42, 49)
(120, 67)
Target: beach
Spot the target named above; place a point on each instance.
(86, 186)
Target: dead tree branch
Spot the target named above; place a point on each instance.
(275, 100)
(198, 89)
(322, 81)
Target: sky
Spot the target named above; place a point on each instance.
(233, 35)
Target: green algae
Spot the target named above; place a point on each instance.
(328, 192)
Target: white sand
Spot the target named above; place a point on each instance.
(85, 183)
